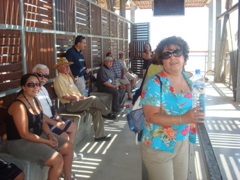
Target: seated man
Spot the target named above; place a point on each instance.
(59, 125)
(119, 71)
(105, 83)
(74, 101)
(128, 73)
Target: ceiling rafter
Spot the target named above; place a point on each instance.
(147, 4)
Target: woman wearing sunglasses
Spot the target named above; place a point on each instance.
(169, 119)
(30, 138)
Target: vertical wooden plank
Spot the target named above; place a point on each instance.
(51, 55)
(56, 14)
(6, 11)
(2, 12)
(16, 12)
(11, 12)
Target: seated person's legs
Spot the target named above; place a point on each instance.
(67, 129)
(116, 97)
(45, 154)
(128, 87)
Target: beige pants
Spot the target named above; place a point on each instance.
(81, 84)
(163, 165)
(93, 106)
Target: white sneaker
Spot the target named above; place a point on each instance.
(77, 157)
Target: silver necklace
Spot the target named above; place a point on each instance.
(30, 104)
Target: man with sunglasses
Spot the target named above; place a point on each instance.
(59, 125)
(78, 68)
(74, 101)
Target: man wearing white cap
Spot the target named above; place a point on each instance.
(128, 73)
(74, 101)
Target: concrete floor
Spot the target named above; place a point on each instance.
(117, 159)
(120, 158)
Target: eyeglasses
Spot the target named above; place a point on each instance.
(32, 85)
(176, 53)
(42, 75)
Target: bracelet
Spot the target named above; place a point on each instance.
(174, 121)
(48, 134)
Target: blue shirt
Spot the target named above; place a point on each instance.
(170, 103)
(73, 55)
(117, 68)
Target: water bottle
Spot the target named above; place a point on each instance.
(130, 120)
(85, 93)
(198, 83)
(109, 80)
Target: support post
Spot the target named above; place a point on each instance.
(210, 35)
(238, 59)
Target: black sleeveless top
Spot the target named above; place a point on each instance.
(34, 123)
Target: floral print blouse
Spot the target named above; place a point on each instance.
(161, 93)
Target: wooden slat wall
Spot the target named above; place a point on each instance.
(136, 56)
(82, 16)
(9, 13)
(64, 42)
(105, 23)
(96, 52)
(114, 48)
(87, 53)
(10, 59)
(126, 49)
(120, 31)
(39, 50)
(99, 26)
(96, 20)
(114, 23)
(65, 15)
(38, 14)
(106, 47)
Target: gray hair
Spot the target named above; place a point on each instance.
(40, 66)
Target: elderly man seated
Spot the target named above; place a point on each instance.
(119, 72)
(105, 83)
(128, 73)
(74, 101)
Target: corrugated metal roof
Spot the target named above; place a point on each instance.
(147, 4)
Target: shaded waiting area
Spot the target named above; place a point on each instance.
(33, 32)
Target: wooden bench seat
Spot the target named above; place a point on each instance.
(32, 170)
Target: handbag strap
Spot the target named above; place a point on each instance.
(160, 89)
(144, 76)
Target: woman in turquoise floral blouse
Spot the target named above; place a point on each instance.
(170, 120)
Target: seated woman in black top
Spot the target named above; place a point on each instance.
(29, 136)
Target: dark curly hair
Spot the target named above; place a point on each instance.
(173, 40)
(144, 50)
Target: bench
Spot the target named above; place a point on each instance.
(32, 170)
(105, 98)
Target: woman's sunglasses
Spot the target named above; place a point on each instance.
(32, 85)
(176, 53)
(42, 75)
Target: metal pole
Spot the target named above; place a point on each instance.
(238, 59)
(22, 31)
(210, 36)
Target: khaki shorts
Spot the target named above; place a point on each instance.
(130, 76)
(124, 81)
